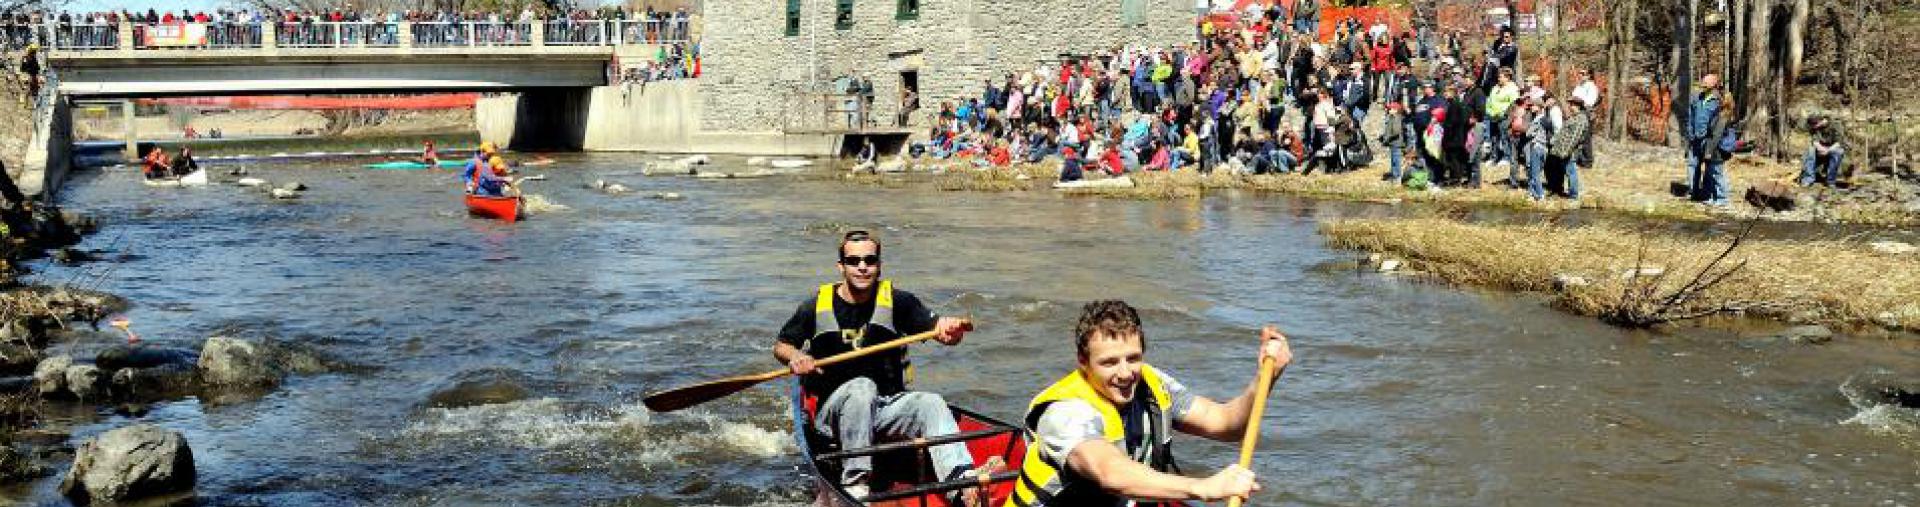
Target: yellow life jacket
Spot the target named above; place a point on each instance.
(1044, 482)
(831, 338)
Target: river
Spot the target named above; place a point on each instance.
(1402, 393)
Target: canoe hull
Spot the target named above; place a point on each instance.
(498, 208)
(1007, 445)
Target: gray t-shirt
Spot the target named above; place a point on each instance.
(1067, 423)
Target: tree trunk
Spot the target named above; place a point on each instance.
(1683, 28)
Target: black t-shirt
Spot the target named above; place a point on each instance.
(910, 316)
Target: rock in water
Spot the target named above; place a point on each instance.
(480, 387)
(281, 193)
(50, 377)
(85, 380)
(294, 186)
(250, 182)
(142, 356)
(159, 382)
(234, 362)
(1812, 335)
(129, 463)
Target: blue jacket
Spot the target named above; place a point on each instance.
(1705, 107)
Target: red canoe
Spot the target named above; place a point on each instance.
(902, 476)
(503, 208)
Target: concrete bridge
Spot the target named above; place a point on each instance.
(126, 60)
(551, 68)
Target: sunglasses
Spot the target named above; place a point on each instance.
(856, 260)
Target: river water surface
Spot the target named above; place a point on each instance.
(1402, 393)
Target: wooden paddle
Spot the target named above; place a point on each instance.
(676, 399)
(1252, 436)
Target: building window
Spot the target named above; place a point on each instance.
(908, 10)
(793, 17)
(842, 14)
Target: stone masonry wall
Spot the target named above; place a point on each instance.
(757, 79)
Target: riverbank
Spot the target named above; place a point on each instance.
(1632, 180)
(1637, 277)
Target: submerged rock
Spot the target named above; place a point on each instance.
(480, 387)
(129, 463)
(143, 356)
(1810, 335)
(155, 383)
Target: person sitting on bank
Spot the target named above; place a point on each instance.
(183, 163)
(866, 401)
(156, 164)
(1822, 162)
(1101, 435)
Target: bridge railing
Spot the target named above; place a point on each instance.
(657, 31)
(81, 37)
(375, 34)
(567, 32)
(472, 33)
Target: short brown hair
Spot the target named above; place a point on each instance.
(1110, 317)
(853, 236)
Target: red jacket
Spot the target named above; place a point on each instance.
(1382, 58)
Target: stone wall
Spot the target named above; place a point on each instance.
(758, 79)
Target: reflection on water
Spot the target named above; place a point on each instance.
(1403, 393)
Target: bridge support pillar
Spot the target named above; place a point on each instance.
(128, 131)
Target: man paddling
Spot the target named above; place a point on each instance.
(866, 400)
(1100, 436)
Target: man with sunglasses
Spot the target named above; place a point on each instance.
(867, 399)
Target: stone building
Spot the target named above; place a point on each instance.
(767, 62)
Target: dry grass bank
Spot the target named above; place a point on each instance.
(1632, 180)
(1796, 281)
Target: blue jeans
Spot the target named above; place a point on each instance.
(1536, 177)
(1359, 117)
(1283, 161)
(1696, 149)
(1573, 181)
(856, 414)
(1811, 166)
(1393, 163)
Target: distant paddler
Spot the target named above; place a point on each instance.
(429, 155)
(1101, 435)
(492, 180)
(479, 160)
(156, 164)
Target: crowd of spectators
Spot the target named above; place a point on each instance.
(1276, 98)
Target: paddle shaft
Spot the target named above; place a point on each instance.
(864, 351)
(676, 399)
(1252, 436)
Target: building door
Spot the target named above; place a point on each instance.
(909, 96)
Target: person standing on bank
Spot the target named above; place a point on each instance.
(866, 399)
(1101, 435)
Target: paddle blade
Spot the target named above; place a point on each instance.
(676, 399)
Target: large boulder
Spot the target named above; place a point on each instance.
(128, 463)
(50, 377)
(235, 362)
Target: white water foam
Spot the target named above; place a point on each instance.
(547, 423)
(1873, 410)
(536, 203)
